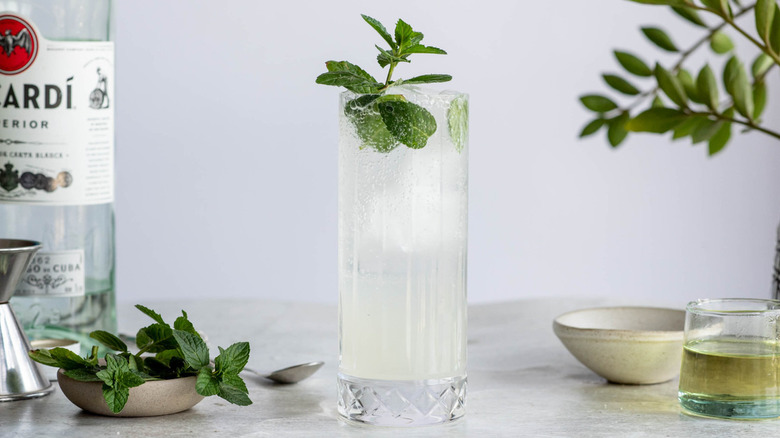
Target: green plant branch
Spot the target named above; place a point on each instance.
(711, 31)
(746, 123)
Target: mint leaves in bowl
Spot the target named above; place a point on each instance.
(171, 371)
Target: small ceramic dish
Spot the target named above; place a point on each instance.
(634, 345)
(159, 397)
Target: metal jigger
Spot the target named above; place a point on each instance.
(20, 377)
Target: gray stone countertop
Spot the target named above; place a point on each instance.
(522, 382)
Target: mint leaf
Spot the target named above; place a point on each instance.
(183, 323)
(458, 122)
(368, 123)
(349, 76)
(207, 384)
(419, 48)
(150, 313)
(409, 123)
(83, 375)
(428, 79)
(130, 379)
(117, 380)
(44, 357)
(405, 37)
(109, 340)
(67, 359)
(233, 395)
(233, 359)
(380, 29)
(406, 42)
(195, 351)
(116, 397)
(235, 381)
(155, 338)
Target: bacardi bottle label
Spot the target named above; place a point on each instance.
(54, 274)
(57, 118)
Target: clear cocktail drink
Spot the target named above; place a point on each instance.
(402, 265)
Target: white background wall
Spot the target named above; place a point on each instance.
(227, 167)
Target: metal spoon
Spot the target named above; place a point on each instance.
(293, 374)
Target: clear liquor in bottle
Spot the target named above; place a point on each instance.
(59, 197)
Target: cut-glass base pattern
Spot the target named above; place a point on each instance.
(401, 402)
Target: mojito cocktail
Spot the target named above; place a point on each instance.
(402, 257)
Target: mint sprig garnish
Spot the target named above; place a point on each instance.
(179, 351)
(383, 121)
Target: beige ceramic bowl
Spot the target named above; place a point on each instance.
(161, 397)
(635, 345)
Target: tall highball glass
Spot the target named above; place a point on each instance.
(402, 264)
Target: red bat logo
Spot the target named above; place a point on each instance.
(18, 44)
(8, 42)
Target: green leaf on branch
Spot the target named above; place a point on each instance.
(774, 33)
(759, 100)
(730, 73)
(660, 38)
(662, 2)
(616, 131)
(689, 14)
(720, 139)
(619, 84)
(687, 127)
(708, 87)
(689, 85)
(592, 127)
(765, 14)
(598, 103)
(761, 65)
(706, 129)
(633, 64)
(719, 6)
(657, 102)
(742, 92)
(671, 86)
(657, 120)
(720, 43)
